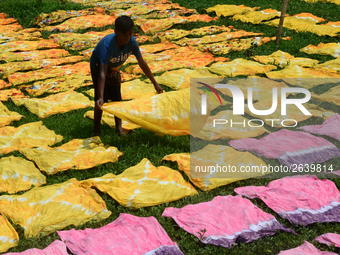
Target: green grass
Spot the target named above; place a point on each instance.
(145, 144)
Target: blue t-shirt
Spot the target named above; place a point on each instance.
(107, 52)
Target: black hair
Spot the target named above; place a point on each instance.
(124, 24)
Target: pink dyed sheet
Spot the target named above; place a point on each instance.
(289, 147)
(305, 249)
(330, 127)
(329, 239)
(300, 199)
(55, 248)
(226, 219)
(128, 234)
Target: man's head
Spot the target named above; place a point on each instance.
(123, 29)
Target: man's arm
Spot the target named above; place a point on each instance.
(144, 66)
(101, 85)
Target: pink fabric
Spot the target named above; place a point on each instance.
(337, 172)
(330, 127)
(226, 219)
(55, 248)
(329, 239)
(305, 249)
(128, 234)
(300, 199)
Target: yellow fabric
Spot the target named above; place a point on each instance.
(138, 10)
(11, 67)
(323, 1)
(256, 17)
(282, 59)
(39, 54)
(240, 67)
(332, 49)
(294, 71)
(8, 21)
(77, 154)
(6, 116)
(166, 14)
(8, 236)
(83, 22)
(332, 95)
(110, 120)
(143, 38)
(328, 29)
(143, 185)
(330, 66)
(10, 93)
(167, 113)
(59, 84)
(227, 131)
(49, 72)
(18, 174)
(29, 135)
(152, 48)
(44, 210)
(28, 45)
(230, 10)
(208, 156)
(10, 28)
(53, 104)
(4, 84)
(28, 34)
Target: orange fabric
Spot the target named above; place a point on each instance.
(10, 93)
(28, 45)
(10, 28)
(39, 54)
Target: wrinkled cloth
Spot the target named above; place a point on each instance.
(226, 219)
(153, 48)
(240, 67)
(143, 9)
(28, 34)
(256, 17)
(289, 147)
(18, 174)
(303, 199)
(29, 135)
(143, 185)
(125, 235)
(332, 95)
(28, 45)
(329, 239)
(305, 249)
(332, 49)
(7, 116)
(8, 21)
(44, 210)
(77, 154)
(230, 10)
(3, 84)
(10, 28)
(34, 55)
(328, 29)
(55, 248)
(165, 14)
(8, 236)
(53, 104)
(330, 66)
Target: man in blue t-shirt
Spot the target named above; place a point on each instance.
(106, 60)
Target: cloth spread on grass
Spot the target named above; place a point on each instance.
(332, 95)
(53, 104)
(230, 10)
(18, 174)
(55, 248)
(28, 45)
(77, 154)
(256, 17)
(165, 14)
(28, 34)
(305, 248)
(4, 84)
(10, 93)
(303, 199)
(226, 219)
(10, 28)
(34, 55)
(125, 235)
(153, 48)
(332, 49)
(9, 237)
(240, 66)
(329, 239)
(330, 66)
(44, 210)
(7, 116)
(289, 147)
(328, 29)
(8, 21)
(29, 135)
(143, 185)
(143, 9)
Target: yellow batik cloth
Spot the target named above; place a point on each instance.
(208, 156)
(53, 104)
(44, 210)
(212, 132)
(8, 21)
(139, 10)
(332, 49)
(87, 53)
(77, 154)
(240, 67)
(328, 29)
(304, 77)
(30, 55)
(81, 68)
(28, 34)
(3, 15)
(128, 77)
(109, 119)
(143, 185)
(10, 28)
(256, 17)
(45, 19)
(8, 236)
(152, 48)
(18, 174)
(83, 22)
(29, 135)
(166, 14)
(331, 96)
(10, 93)
(330, 66)
(59, 84)
(28, 45)
(230, 10)
(6, 116)
(9, 68)
(282, 59)
(110, 5)
(4, 84)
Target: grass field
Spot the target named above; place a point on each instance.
(145, 144)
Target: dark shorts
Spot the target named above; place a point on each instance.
(112, 86)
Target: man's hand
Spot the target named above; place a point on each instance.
(99, 103)
(158, 88)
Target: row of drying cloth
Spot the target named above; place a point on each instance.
(303, 22)
(304, 206)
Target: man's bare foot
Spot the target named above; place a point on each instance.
(120, 133)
